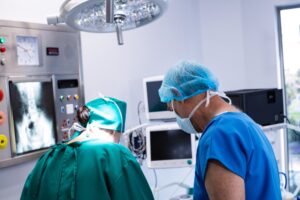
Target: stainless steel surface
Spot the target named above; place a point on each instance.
(102, 16)
(89, 15)
(59, 55)
(109, 11)
(20, 159)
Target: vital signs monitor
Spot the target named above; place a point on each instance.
(169, 146)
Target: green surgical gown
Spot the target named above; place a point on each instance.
(87, 170)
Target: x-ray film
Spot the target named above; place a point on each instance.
(32, 108)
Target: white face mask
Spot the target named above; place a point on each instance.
(185, 123)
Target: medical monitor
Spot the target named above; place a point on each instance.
(154, 108)
(32, 109)
(168, 146)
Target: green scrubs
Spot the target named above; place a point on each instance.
(87, 170)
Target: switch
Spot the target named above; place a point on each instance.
(2, 40)
(62, 109)
(69, 109)
(76, 107)
(2, 61)
(2, 49)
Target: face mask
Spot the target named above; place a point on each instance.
(185, 123)
(221, 94)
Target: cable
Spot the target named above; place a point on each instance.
(139, 111)
(156, 193)
(285, 179)
(155, 178)
(136, 141)
(182, 183)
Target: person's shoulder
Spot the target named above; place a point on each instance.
(228, 124)
(105, 147)
(236, 119)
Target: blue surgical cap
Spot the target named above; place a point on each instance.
(107, 113)
(185, 80)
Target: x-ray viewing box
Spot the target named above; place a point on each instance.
(41, 88)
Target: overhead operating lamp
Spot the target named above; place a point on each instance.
(103, 16)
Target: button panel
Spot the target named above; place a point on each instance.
(68, 102)
(3, 50)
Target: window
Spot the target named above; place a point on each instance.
(289, 36)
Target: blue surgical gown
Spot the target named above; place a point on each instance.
(239, 144)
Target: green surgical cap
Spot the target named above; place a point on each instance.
(107, 113)
(185, 80)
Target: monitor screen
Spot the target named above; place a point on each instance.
(32, 108)
(169, 146)
(155, 109)
(154, 103)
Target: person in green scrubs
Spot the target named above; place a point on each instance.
(92, 165)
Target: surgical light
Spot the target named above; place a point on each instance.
(102, 16)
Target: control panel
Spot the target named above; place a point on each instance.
(41, 88)
(68, 99)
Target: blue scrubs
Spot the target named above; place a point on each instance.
(237, 142)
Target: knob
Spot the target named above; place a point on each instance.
(69, 97)
(3, 141)
(2, 117)
(76, 96)
(61, 98)
(2, 61)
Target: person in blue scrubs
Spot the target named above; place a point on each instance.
(234, 160)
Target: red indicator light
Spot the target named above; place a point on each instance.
(1, 95)
(2, 49)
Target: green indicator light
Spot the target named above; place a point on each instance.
(2, 40)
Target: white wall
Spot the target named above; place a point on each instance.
(222, 41)
(236, 39)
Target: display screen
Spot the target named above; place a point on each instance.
(72, 83)
(52, 51)
(154, 103)
(170, 145)
(32, 108)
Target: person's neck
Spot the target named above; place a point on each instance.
(92, 134)
(216, 106)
